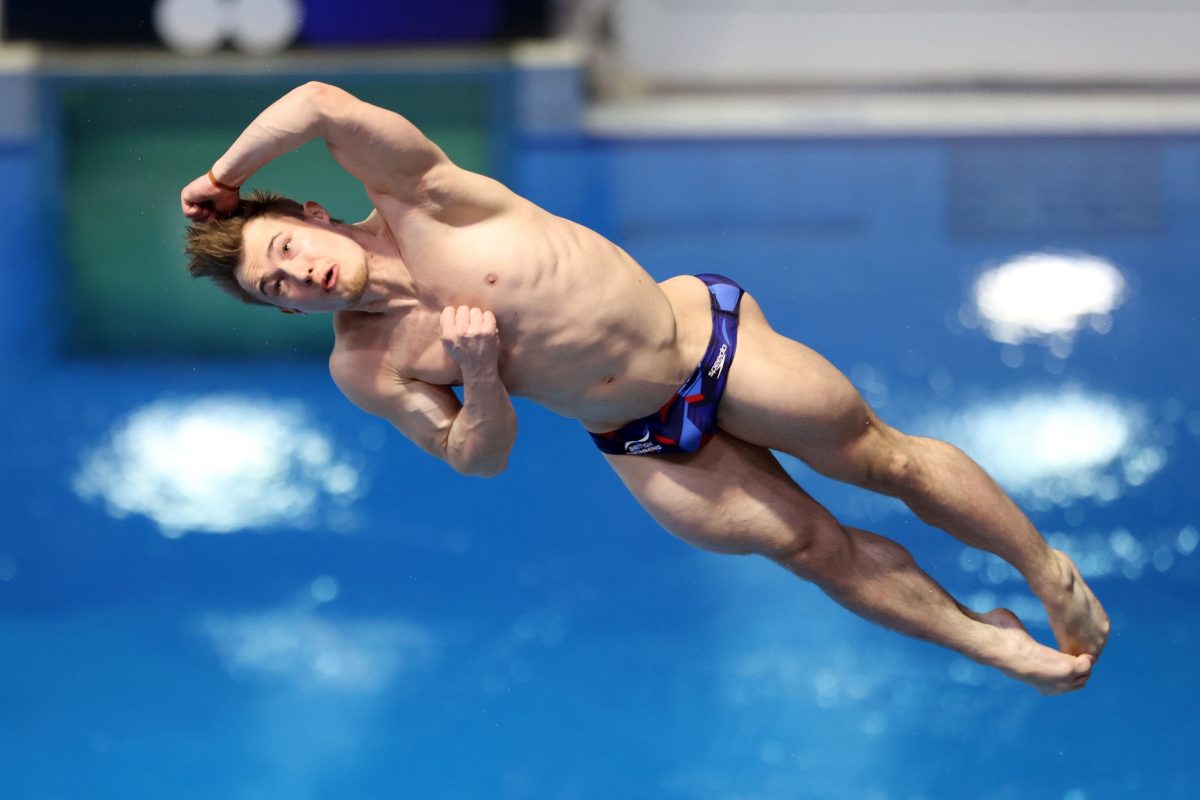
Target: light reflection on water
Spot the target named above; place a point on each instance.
(216, 464)
(1047, 298)
(1056, 447)
(297, 645)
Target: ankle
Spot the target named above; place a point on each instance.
(1053, 577)
(988, 645)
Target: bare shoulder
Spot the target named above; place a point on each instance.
(453, 196)
(360, 351)
(361, 365)
(360, 330)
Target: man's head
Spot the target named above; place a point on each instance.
(274, 251)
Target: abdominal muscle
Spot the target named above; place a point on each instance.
(596, 338)
(626, 357)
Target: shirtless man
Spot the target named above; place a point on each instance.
(453, 279)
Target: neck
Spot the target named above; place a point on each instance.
(390, 286)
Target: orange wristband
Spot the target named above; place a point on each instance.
(225, 186)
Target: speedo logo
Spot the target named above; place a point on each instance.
(719, 364)
(643, 445)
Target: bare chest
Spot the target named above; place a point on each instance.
(583, 330)
(413, 348)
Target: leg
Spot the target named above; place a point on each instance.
(948, 490)
(785, 396)
(734, 497)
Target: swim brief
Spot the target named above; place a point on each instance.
(689, 419)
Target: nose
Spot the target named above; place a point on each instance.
(308, 277)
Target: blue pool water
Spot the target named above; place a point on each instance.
(418, 634)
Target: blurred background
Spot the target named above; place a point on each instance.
(220, 579)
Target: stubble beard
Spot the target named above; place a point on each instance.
(357, 284)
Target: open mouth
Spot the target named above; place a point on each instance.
(330, 279)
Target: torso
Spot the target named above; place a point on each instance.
(584, 330)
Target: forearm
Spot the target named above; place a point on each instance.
(483, 433)
(370, 142)
(290, 122)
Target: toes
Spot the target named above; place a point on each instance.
(1083, 671)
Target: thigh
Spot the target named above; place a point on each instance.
(729, 497)
(788, 397)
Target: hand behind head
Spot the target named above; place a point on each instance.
(204, 202)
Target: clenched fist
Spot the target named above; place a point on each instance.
(204, 201)
(471, 338)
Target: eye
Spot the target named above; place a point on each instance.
(287, 246)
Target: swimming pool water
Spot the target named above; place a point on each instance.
(414, 633)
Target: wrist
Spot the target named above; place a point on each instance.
(479, 373)
(226, 187)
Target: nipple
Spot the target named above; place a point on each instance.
(491, 279)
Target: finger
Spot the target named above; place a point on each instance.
(489, 322)
(202, 211)
(448, 322)
(463, 320)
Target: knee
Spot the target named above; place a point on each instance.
(802, 537)
(846, 561)
(820, 553)
(898, 470)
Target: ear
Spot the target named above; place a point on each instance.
(316, 211)
(293, 311)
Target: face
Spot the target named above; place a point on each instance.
(307, 264)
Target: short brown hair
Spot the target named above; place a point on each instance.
(216, 247)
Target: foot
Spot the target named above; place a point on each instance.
(1076, 616)
(1019, 656)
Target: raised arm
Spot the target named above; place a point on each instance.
(380, 148)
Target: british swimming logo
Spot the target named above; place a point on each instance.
(642, 446)
(719, 364)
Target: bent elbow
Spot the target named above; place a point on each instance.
(325, 99)
(311, 94)
(494, 470)
(481, 470)
(316, 89)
